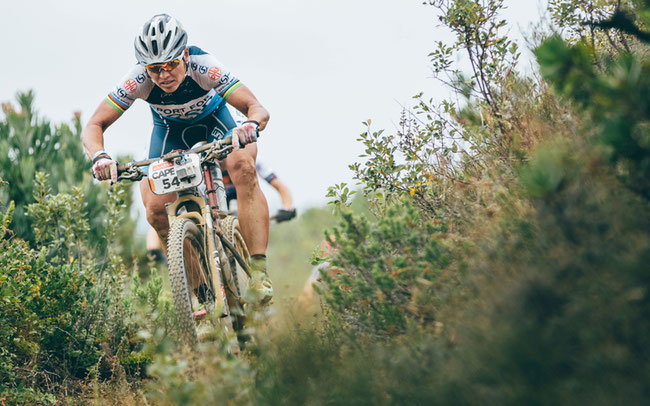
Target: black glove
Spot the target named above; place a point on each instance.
(285, 215)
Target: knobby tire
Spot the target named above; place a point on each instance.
(185, 236)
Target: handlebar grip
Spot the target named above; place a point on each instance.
(122, 167)
(227, 140)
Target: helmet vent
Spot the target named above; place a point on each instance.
(178, 43)
(166, 40)
(154, 46)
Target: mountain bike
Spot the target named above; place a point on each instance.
(208, 260)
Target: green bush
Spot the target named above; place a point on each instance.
(389, 269)
(63, 315)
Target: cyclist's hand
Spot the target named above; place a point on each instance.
(105, 168)
(285, 215)
(246, 133)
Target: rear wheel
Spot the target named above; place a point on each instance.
(232, 232)
(192, 286)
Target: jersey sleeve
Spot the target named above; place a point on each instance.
(209, 73)
(135, 85)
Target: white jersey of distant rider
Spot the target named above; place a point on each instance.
(206, 86)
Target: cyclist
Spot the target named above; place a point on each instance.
(287, 212)
(187, 90)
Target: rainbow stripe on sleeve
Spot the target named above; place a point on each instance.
(117, 105)
(231, 89)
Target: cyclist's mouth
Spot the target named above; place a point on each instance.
(168, 83)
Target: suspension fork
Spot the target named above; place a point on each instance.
(204, 220)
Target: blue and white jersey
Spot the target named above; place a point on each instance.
(206, 86)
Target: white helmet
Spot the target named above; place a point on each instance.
(162, 39)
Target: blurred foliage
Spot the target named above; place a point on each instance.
(28, 145)
(613, 100)
(540, 206)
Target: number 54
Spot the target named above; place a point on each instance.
(167, 184)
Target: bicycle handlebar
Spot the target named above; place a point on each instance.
(219, 150)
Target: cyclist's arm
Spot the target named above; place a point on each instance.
(245, 101)
(93, 134)
(285, 194)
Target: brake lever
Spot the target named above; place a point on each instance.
(131, 172)
(224, 152)
(133, 176)
(217, 153)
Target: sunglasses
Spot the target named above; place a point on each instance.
(167, 66)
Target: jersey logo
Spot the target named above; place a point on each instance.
(214, 73)
(203, 69)
(130, 85)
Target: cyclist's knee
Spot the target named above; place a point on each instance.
(157, 218)
(244, 172)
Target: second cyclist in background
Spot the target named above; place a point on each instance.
(286, 213)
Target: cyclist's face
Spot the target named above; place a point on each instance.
(169, 81)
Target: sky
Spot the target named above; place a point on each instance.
(321, 68)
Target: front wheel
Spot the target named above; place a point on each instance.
(190, 278)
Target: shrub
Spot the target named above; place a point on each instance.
(389, 269)
(63, 315)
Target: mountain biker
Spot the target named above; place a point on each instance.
(187, 90)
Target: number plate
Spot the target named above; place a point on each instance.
(168, 176)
